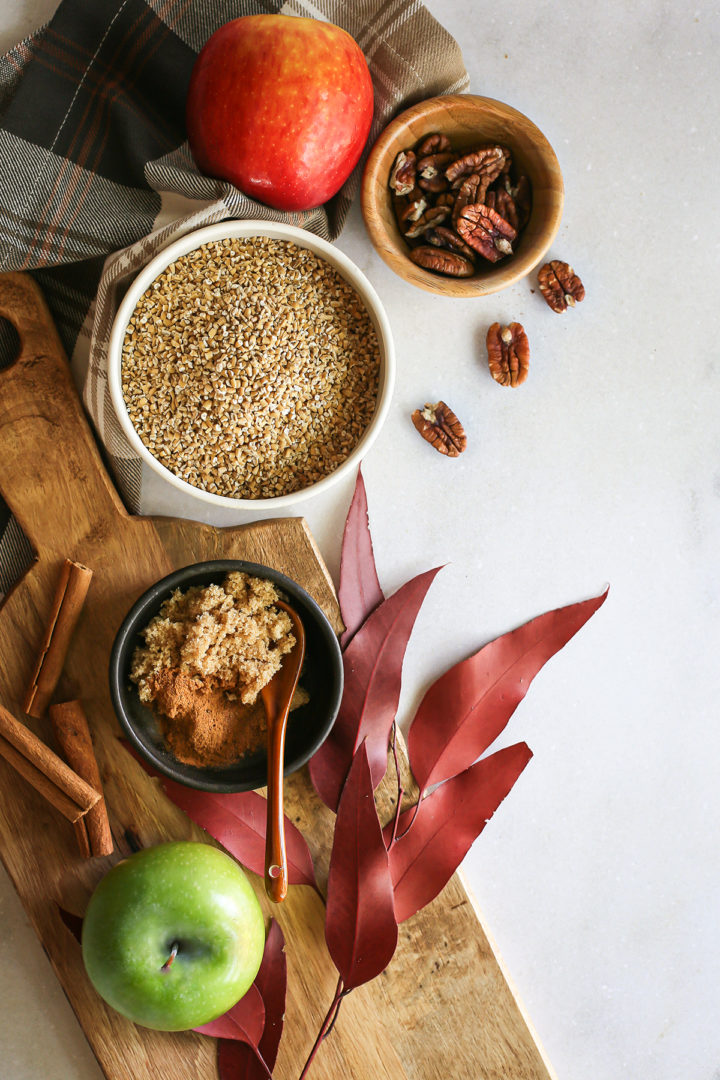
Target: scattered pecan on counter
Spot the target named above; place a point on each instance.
(467, 203)
(439, 426)
(560, 285)
(508, 354)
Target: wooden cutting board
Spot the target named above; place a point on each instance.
(443, 1008)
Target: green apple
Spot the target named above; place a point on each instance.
(173, 936)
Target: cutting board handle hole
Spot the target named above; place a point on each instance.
(9, 344)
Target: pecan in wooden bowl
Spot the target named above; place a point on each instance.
(462, 195)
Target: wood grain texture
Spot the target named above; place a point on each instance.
(469, 121)
(442, 1008)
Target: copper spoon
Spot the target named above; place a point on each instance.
(276, 698)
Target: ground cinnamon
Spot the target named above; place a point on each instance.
(201, 724)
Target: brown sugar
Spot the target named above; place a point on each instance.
(231, 634)
(207, 654)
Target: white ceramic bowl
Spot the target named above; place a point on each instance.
(274, 231)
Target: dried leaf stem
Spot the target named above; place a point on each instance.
(325, 1027)
(400, 788)
(337, 1012)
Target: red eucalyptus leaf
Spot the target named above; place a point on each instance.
(423, 860)
(467, 708)
(359, 592)
(238, 822)
(240, 1061)
(244, 1022)
(271, 981)
(244, 1062)
(360, 927)
(373, 669)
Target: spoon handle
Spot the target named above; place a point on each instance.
(276, 871)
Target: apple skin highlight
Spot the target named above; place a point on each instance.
(281, 107)
(173, 936)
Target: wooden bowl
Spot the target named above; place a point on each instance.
(468, 121)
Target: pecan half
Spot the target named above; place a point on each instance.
(472, 190)
(439, 425)
(501, 201)
(485, 231)
(402, 174)
(443, 237)
(434, 215)
(560, 285)
(433, 184)
(433, 144)
(433, 164)
(508, 354)
(442, 261)
(447, 198)
(487, 161)
(521, 193)
(410, 208)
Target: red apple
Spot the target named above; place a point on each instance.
(281, 107)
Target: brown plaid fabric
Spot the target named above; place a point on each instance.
(96, 174)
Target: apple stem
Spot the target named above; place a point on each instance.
(173, 953)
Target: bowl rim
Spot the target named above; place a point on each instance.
(160, 590)
(447, 286)
(276, 231)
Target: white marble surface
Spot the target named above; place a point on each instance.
(600, 877)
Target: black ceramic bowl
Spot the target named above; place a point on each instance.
(308, 726)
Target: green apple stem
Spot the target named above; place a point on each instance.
(173, 953)
(325, 1026)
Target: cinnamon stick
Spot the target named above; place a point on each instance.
(73, 735)
(81, 835)
(67, 604)
(47, 772)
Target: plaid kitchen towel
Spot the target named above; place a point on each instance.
(96, 175)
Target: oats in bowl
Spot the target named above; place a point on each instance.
(250, 368)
